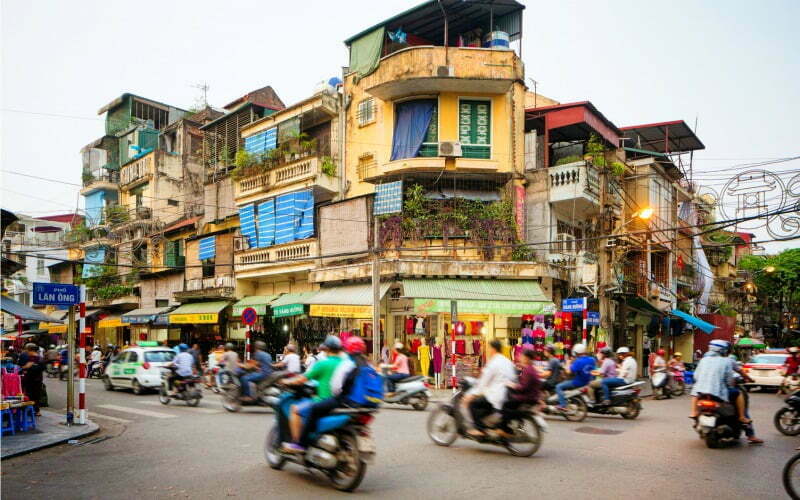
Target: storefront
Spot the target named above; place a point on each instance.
(290, 321)
(112, 330)
(201, 322)
(237, 331)
(148, 323)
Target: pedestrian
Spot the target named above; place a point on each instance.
(646, 354)
(309, 357)
(197, 355)
(32, 374)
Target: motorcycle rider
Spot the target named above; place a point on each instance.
(676, 362)
(184, 364)
(526, 392)
(712, 374)
(230, 359)
(291, 360)
(608, 369)
(581, 370)
(552, 374)
(490, 391)
(261, 363)
(626, 374)
(51, 356)
(735, 394)
(792, 364)
(399, 368)
(96, 357)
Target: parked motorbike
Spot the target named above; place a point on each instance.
(576, 405)
(447, 422)
(410, 391)
(186, 390)
(265, 392)
(787, 419)
(340, 447)
(717, 422)
(625, 402)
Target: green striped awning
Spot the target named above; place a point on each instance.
(291, 304)
(484, 296)
(257, 302)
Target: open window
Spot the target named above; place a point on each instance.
(416, 131)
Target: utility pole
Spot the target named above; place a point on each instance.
(71, 366)
(604, 258)
(376, 295)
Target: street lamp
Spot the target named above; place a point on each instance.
(644, 214)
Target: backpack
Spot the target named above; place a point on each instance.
(366, 388)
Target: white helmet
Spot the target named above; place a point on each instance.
(579, 349)
(398, 345)
(623, 350)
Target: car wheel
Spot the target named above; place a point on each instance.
(107, 384)
(137, 387)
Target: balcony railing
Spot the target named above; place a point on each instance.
(300, 170)
(137, 170)
(214, 287)
(575, 183)
(264, 257)
(101, 174)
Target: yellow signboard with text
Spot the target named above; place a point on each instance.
(337, 311)
(111, 323)
(179, 319)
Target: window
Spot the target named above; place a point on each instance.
(133, 357)
(430, 144)
(208, 268)
(162, 303)
(173, 254)
(40, 265)
(140, 255)
(568, 239)
(172, 203)
(661, 200)
(474, 128)
(659, 267)
(159, 356)
(366, 112)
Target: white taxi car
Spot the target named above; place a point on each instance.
(138, 368)
(766, 369)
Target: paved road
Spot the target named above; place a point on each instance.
(179, 452)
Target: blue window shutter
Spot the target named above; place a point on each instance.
(388, 198)
(247, 221)
(304, 214)
(261, 142)
(266, 223)
(284, 218)
(208, 248)
(271, 139)
(93, 261)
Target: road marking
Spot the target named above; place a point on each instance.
(107, 417)
(180, 404)
(136, 411)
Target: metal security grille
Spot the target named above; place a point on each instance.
(365, 114)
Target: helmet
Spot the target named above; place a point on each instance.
(52, 346)
(719, 346)
(398, 346)
(183, 347)
(579, 349)
(260, 345)
(623, 350)
(606, 351)
(792, 350)
(661, 352)
(229, 346)
(355, 345)
(678, 355)
(332, 342)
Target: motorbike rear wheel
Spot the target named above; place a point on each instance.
(193, 401)
(576, 409)
(528, 429)
(791, 477)
(442, 427)
(712, 441)
(271, 454)
(787, 421)
(678, 388)
(350, 470)
(419, 402)
(634, 409)
(163, 397)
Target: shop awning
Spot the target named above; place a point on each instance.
(347, 301)
(513, 297)
(198, 313)
(695, 321)
(20, 310)
(291, 304)
(111, 322)
(642, 306)
(257, 302)
(144, 315)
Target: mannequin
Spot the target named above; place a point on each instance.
(424, 356)
(438, 359)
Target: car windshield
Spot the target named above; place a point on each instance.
(768, 359)
(159, 356)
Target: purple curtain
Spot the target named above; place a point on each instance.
(410, 126)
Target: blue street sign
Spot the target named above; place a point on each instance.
(593, 318)
(249, 316)
(56, 294)
(573, 305)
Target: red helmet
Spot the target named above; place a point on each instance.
(661, 352)
(355, 345)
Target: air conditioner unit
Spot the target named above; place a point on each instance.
(450, 148)
(444, 71)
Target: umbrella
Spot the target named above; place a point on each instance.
(751, 343)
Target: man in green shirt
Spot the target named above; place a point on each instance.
(321, 372)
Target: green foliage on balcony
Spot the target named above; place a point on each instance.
(116, 214)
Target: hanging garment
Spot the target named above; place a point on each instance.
(437, 359)
(415, 344)
(476, 347)
(539, 339)
(566, 319)
(517, 349)
(461, 347)
(420, 328)
(475, 327)
(507, 351)
(424, 355)
(558, 322)
(527, 336)
(385, 354)
(409, 325)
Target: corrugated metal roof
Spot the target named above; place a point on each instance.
(293, 298)
(348, 295)
(474, 289)
(18, 309)
(258, 302)
(201, 307)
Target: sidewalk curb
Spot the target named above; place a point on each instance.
(81, 432)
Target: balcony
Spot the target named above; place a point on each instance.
(219, 287)
(137, 171)
(301, 173)
(371, 171)
(431, 70)
(574, 188)
(276, 259)
(101, 179)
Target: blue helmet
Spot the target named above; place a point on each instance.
(720, 346)
(332, 342)
(183, 347)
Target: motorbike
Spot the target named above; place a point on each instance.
(790, 384)
(717, 422)
(787, 419)
(340, 447)
(677, 382)
(186, 390)
(97, 370)
(576, 405)
(265, 391)
(411, 391)
(211, 378)
(625, 402)
(53, 369)
(791, 477)
(447, 422)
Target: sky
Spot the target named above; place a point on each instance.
(736, 70)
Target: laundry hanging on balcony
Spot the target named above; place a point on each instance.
(93, 261)
(266, 223)
(365, 53)
(208, 248)
(410, 127)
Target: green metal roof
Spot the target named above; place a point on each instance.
(348, 295)
(646, 152)
(475, 289)
(257, 302)
(642, 306)
(202, 308)
(292, 298)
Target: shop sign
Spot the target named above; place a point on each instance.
(573, 305)
(593, 318)
(339, 311)
(56, 294)
(288, 310)
(137, 320)
(53, 327)
(111, 323)
(161, 319)
(509, 307)
(179, 319)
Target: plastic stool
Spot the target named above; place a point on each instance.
(8, 421)
(26, 418)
